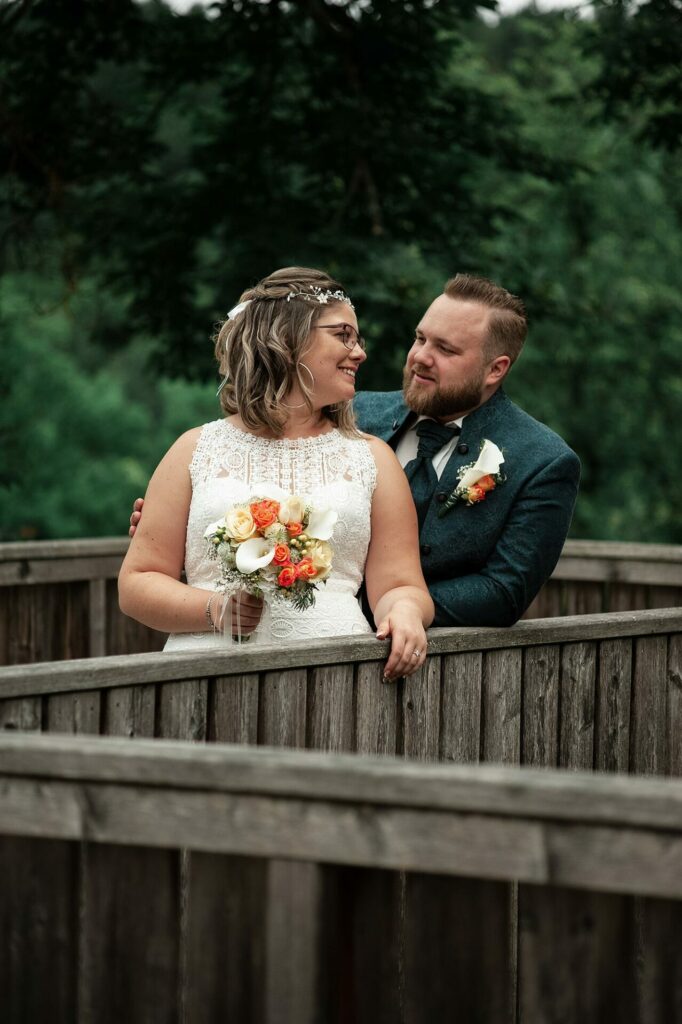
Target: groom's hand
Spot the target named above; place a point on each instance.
(136, 516)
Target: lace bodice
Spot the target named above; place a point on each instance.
(329, 471)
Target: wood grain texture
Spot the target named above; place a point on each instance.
(330, 708)
(38, 930)
(129, 959)
(225, 939)
(501, 700)
(649, 710)
(376, 710)
(540, 743)
(282, 712)
(675, 705)
(73, 712)
(23, 715)
(292, 942)
(612, 753)
(421, 712)
(182, 710)
(129, 711)
(234, 709)
(577, 700)
(460, 738)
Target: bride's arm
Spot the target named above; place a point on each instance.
(149, 585)
(396, 590)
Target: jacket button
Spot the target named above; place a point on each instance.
(425, 549)
(441, 496)
(462, 449)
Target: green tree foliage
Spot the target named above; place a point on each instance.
(152, 165)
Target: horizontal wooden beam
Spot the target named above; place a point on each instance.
(366, 828)
(133, 669)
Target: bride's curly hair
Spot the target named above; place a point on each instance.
(259, 351)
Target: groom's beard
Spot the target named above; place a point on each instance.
(442, 403)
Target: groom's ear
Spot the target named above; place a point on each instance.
(498, 369)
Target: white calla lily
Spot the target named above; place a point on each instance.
(487, 464)
(210, 530)
(321, 523)
(254, 554)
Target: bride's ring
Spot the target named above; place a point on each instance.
(416, 654)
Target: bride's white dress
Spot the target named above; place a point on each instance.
(329, 471)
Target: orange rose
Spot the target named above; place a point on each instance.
(475, 493)
(264, 513)
(486, 483)
(287, 576)
(294, 529)
(305, 569)
(282, 554)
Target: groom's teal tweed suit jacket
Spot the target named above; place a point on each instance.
(485, 563)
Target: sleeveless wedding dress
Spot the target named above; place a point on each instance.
(329, 471)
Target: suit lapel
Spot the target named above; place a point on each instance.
(477, 426)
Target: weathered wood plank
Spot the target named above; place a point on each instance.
(183, 710)
(282, 712)
(234, 709)
(23, 715)
(226, 939)
(501, 700)
(330, 708)
(649, 727)
(421, 712)
(73, 712)
(675, 705)
(584, 598)
(129, 711)
(96, 673)
(456, 949)
(461, 708)
(38, 930)
(97, 618)
(490, 789)
(627, 596)
(129, 959)
(658, 976)
(376, 711)
(576, 963)
(292, 947)
(541, 706)
(612, 753)
(577, 699)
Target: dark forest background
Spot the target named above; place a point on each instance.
(153, 164)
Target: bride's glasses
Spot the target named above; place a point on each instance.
(347, 334)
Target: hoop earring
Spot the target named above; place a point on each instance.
(308, 371)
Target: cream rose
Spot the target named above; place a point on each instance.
(291, 510)
(320, 553)
(239, 524)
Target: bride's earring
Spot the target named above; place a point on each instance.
(301, 404)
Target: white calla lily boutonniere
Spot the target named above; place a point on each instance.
(476, 479)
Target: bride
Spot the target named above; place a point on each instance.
(289, 354)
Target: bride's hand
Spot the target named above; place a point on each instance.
(408, 640)
(244, 611)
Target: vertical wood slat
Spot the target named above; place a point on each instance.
(376, 711)
(282, 711)
(330, 708)
(612, 753)
(421, 712)
(182, 710)
(649, 712)
(460, 740)
(577, 699)
(226, 939)
(22, 713)
(584, 598)
(97, 618)
(38, 930)
(129, 711)
(501, 706)
(541, 706)
(129, 965)
(234, 709)
(77, 712)
(675, 704)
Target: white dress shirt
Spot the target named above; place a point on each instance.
(406, 449)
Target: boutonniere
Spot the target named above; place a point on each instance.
(476, 478)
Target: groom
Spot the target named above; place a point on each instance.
(487, 554)
(484, 556)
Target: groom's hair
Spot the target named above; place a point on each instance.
(508, 319)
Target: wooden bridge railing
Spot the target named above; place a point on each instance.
(58, 598)
(148, 881)
(592, 691)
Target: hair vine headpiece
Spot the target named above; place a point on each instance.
(320, 295)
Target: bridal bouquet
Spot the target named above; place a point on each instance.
(273, 548)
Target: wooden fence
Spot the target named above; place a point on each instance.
(58, 598)
(149, 881)
(584, 692)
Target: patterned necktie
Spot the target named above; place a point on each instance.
(420, 472)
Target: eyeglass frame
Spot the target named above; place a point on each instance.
(344, 341)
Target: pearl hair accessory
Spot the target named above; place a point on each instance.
(323, 297)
